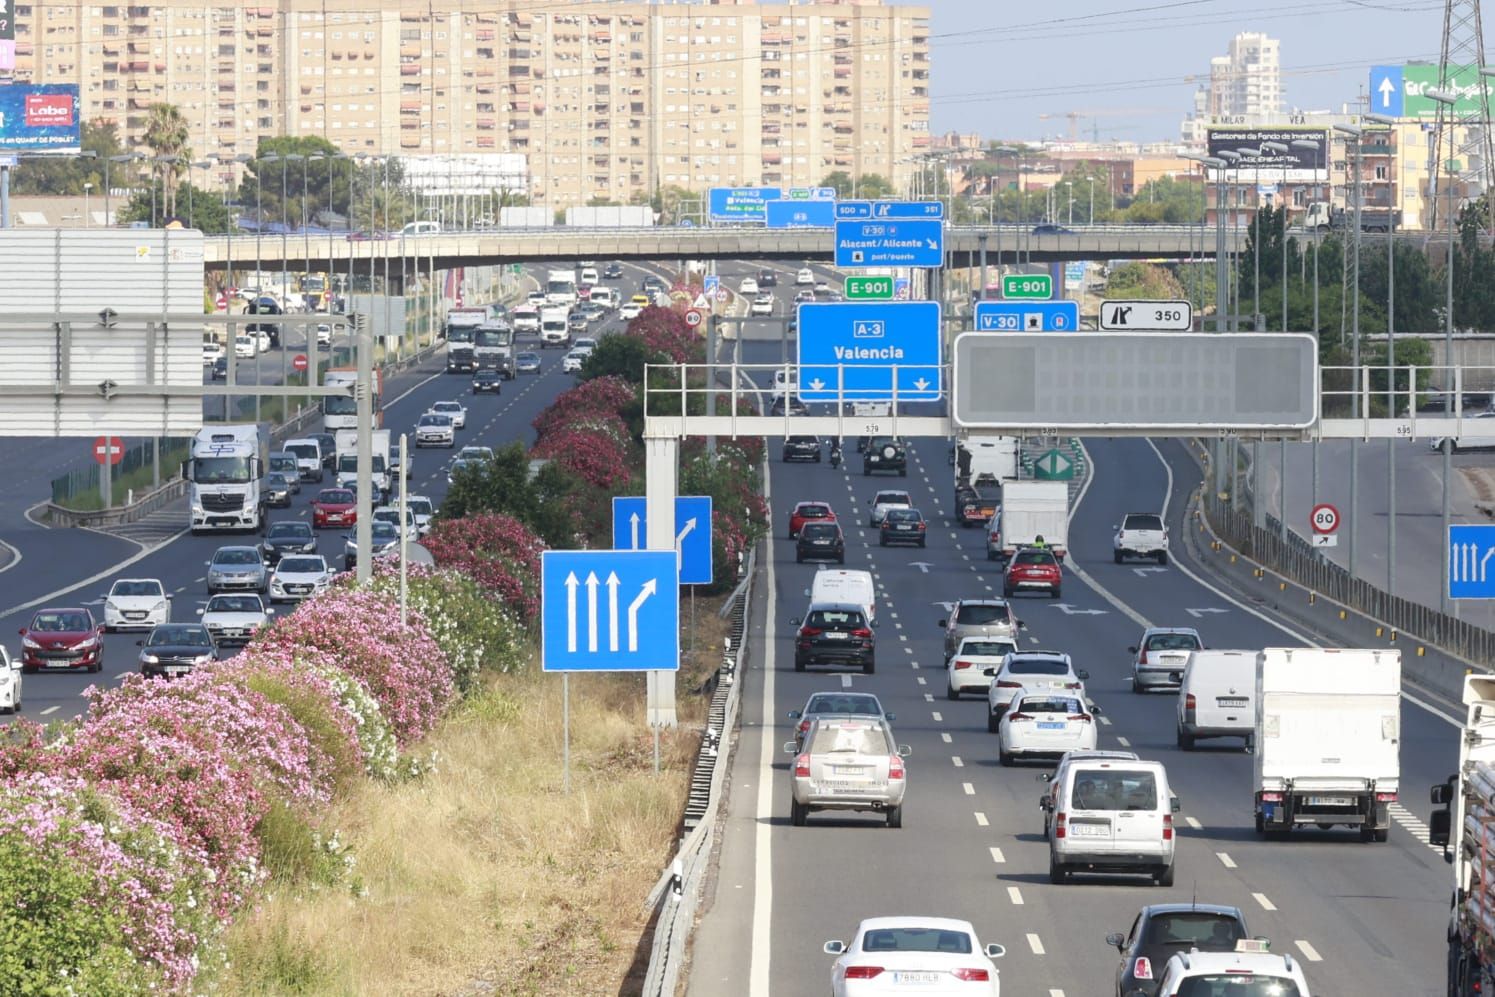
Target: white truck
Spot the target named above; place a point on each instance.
(225, 471)
(347, 461)
(493, 344)
(560, 288)
(553, 325)
(1033, 509)
(987, 460)
(461, 324)
(1327, 740)
(1466, 821)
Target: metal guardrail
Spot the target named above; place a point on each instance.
(678, 893)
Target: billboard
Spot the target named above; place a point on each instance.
(7, 36)
(39, 117)
(1297, 165)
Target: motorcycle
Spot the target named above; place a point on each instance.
(835, 455)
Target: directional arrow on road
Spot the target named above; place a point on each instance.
(1198, 613)
(923, 566)
(948, 607)
(1144, 572)
(1070, 610)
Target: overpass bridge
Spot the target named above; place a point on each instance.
(1007, 244)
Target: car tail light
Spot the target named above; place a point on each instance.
(962, 664)
(1167, 827)
(1019, 716)
(921, 526)
(861, 632)
(1142, 660)
(1142, 968)
(971, 975)
(1271, 797)
(1079, 716)
(1072, 685)
(1060, 820)
(862, 972)
(1385, 797)
(802, 766)
(804, 725)
(895, 767)
(1190, 703)
(1009, 685)
(810, 631)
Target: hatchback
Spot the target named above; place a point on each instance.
(289, 536)
(234, 618)
(62, 639)
(136, 603)
(176, 649)
(527, 363)
(805, 276)
(820, 541)
(806, 512)
(849, 763)
(903, 526)
(1161, 655)
(801, 448)
(1030, 569)
(237, 569)
(841, 703)
(973, 666)
(334, 507)
(1160, 931)
(1032, 672)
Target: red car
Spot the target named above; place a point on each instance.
(1033, 568)
(68, 638)
(333, 507)
(806, 512)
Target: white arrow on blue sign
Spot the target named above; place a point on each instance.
(870, 342)
(609, 611)
(890, 243)
(692, 532)
(1471, 562)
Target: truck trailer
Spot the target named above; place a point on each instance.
(1033, 509)
(1464, 827)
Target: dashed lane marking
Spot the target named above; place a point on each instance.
(1015, 895)
(970, 790)
(981, 820)
(1035, 943)
(928, 697)
(1309, 952)
(920, 679)
(1194, 825)
(955, 760)
(1225, 860)
(945, 736)
(1123, 742)
(1266, 904)
(939, 717)
(846, 681)
(996, 855)
(50, 710)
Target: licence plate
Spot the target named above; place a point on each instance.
(846, 787)
(835, 635)
(904, 526)
(1051, 725)
(1231, 701)
(1330, 801)
(916, 977)
(134, 616)
(177, 669)
(59, 664)
(1089, 830)
(849, 769)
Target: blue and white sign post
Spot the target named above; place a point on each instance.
(848, 210)
(693, 540)
(1387, 91)
(1471, 562)
(800, 214)
(1027, 316)
(740, 204)
(896, 243)
(864, 351)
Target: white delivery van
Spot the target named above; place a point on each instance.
(785, 382)
(607, 297)
(847, 587)
(1113, 816)
(1033, 509)
(1217, 697)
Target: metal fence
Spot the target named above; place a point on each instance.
(85, 480)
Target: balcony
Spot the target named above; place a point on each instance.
(410, 69)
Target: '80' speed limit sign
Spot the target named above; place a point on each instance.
(1325, 519)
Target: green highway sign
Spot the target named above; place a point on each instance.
(1030, 286)
(869, 288)
(1054, 466)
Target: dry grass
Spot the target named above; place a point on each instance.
(484, 877)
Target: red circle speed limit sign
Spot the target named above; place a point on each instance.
(1325, 518)
(693, 317)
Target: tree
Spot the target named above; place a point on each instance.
(841, 181)
(58, 176)
(166, 135)
(874, 187)
(203, 210)
(1143, 282)
(1167, 199)
(503, 485)
(621, 356)
(323, 186)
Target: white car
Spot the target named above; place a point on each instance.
(806, 276)
(1033, 672)
(1141, 534)
(1161, 655)
(762, 305)
(299, 576)
(974, 664)
(526, 317)
(435, 431)
(391, 514)
(1045, 724)
(456, 410)
(475, 453)
(1250, 970)
(630, 311)
(747, 287)
(212, 352)
(324, 333)
(822, 286)
(585, 345)
(10, 683)
(263, 338)
(246, 346)
(235, 617)
(915, 955)
(883, 501)
(423, 509)
(1055, 779)
(572, 361)
(535, 297)
(1481, 435)
(136, 603)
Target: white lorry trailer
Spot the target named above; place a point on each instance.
(1327, 740)
(1033, 509)
(1465, 828)
(560, 288)
(225, 471)
(347, 461)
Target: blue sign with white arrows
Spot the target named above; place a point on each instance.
(900, 288)
(692, 532)
(709, 284)
(1027, 316)
(890, 209)
(1471, 562)
(740, 204)
(1387, 91)
(801, 214)
(869, 343)
(898, 243)
(609, 611)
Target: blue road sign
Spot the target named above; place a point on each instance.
(609, 611)
(1387, 91)
(899, 243)
(692, 533)
(890, 209)
(853, 209)
(710, 283)
(801, 214)
(869, 342)
(1471, 551)
(1027, 316)
(900, 288)
(740, 204)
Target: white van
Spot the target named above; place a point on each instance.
(605, 296)
(1217, 697)
(1113, 816)
(785, 381)
(421, 228)
(589, 275)
(848, 587)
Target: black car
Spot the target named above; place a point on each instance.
(328, 443)
(277, 490)
(487, 380)
(175, 649)
(1161, 931)
(654, 285)
(884, 453)
(290, 536)
(384, 535)
(220, 369)
(1047, 229)
(902, 526)
(802, 448)
(820, 542)
(796, 407)
(767, 278)
(835, 634)
(613, 271)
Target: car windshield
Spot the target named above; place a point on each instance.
(1194, 930)
(239, 556)
(149, 588)
(1173, 642)
(1114, 789)
(804, 439)
(891, 498)
(446, 407)
(476, 453)
(839, 737)
(289, 531)
(435, 420)
(1237, 984)
(60, 622)
(283, 462)
(305, 451)
(814, 511)
(384, 531)
(917, 940)
(843, 703)
(835, 618)
(903, 516)
(1038, 666)
(1049, 704)
(818, 531)
(279, 480)
(421, 507)
(1033, 557)
(987, 648)
(980, 616)
(1143, 523)
(334, 496)
(180, 634)
(235, 604)
(302, 566)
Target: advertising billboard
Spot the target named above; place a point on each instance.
(7, 36)
(39, 117)
(1297, 165)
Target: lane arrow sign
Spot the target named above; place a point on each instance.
(1144, 572)
(690, 525)
(646, 590)
(592, 612)
(633, 522)
(923, 566)
(1070, 610)
(817, 384)
(612, 610)
(1199, 613)
(571, 584)
(1387, 88)
(922, 383)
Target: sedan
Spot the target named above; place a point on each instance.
(837, 704)
(527, 363)
(805, 512)
(324, 333)
(435, 431)
(572, 361)
(973, 665)
(136, 603)
(848, 763)
(277, 490)
(1032, 672)
(391, 514)
(62, 639)
(822, 286)
(801, 448)
(237, 569)
(456, 410)
(176, 649)
(289, 536)
(1161, 931)
(630, 311)
(1045, 725)
(613, 271)
(903, 526)
(234, 619)
(385, 537)
(487, 381)
(917, 954)
(1033, 568)
(594, 311)
(333, 507)
(821, 541)
(299, 577)
(762, 305)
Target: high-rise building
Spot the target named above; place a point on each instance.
(1246, 82)
(607, 101)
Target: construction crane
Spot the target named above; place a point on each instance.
(1095, 116)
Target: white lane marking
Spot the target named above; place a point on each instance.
(1105, 721)
(970, 790)
(15, 556)
(929, 697)
(1123, 741)
(1193, 824)
(50, 710)
(846, 681)
(1412, 824)
(1035, 944)
(1309, 952)
(944, 736)
(758, 978)
(936, 715)
(958, 763)
(1225, 860)
(1056, 993)
(1015, 895)
(91, 579)
(981, 820)
(996, 855)
(1266, 904)
(920, 679)
(914, 664)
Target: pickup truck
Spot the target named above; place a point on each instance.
(976, 504)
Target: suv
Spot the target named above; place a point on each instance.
(820, 541)
(802, 448)
(834, 633)
(1251, 964)
(979, 618)
(1161, 931)
(849, 763)
(885, 453)
(1160, 657)
(1141, 534)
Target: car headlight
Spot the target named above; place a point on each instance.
(149, 659)
(28, 642)
(202, 659)
(87, 645)
(158, 607)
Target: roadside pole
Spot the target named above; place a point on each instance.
(404, 543)
(363, 530)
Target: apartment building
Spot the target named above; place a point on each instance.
(606, 100)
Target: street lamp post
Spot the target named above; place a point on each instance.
(1353, 132)
(108, 188)
(1255, 155)
(1232, 281)
(86, 188)
(1447, 99)
(1221, 287)
(1382, 119)
(1282, 147)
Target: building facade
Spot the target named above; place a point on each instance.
(607, 101)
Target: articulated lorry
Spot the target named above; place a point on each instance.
(347, 461)
(225, 471)
(461, 325)
(1033, 509)
(1465, 828)
(1328, 739)
(494, 347)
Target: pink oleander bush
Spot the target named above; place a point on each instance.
(598, 456)
(664, 331)
(601, 396)
(497, 552)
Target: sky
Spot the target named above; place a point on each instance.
(998, 65)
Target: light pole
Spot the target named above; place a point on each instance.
(108, 189)
(1447, 99)
(1221, 287)
(1255, 155)
(285, 231)
(1233, 302)
(305, 193)
(1070, 189)
(1353, 132)
(1282, 148)
(86, 188)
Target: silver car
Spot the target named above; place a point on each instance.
(299, 576)
(1160, 657)
(979, 618)
(237, 569)
(848, 763)
(841, 703)
(234, 618)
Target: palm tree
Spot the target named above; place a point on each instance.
(166, 134)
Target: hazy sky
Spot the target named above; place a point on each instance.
(998, 65)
